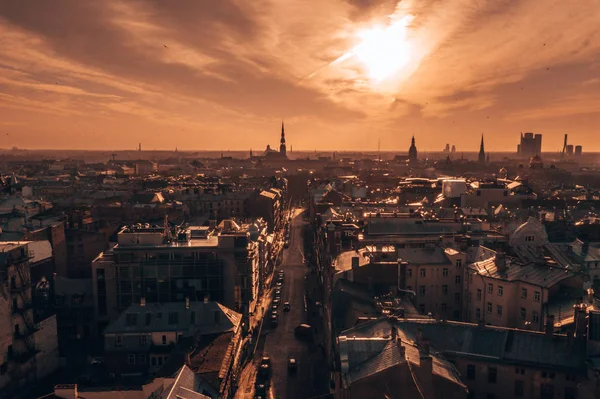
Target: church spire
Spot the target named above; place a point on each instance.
(282, 148)
(481, 157)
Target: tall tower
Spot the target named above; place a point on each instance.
(412, 152)
(481, 157)
(282, 149)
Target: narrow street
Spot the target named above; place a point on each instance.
(280, 343)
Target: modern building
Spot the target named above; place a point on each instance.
(530, 145)
(163, 265)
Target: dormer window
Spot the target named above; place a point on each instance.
(529, 238)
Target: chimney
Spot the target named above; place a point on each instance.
(355, 262)
(501, 261)
(66, 391)
(187, 303)
(206, 298)
(550, 326)
(394, 333)
(143, 301)
(424, 347)
(402, 274)
(580, 321)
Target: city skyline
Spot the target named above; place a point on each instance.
(200, 75)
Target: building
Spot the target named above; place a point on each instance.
(28, 349)
(280, 155)
(163, 265)
(382, 363)
(530, 145)
(481, 156)
(147, 338)
(412, 152)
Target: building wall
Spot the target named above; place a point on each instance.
(443, 295)
(511, 301)
(506, 377)
(105, 292)
(6, 333)
(46, 341)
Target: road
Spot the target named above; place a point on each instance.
(280, 343)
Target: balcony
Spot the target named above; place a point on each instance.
(24, 334)
(23, 308)
(22, 357)
(19, 288)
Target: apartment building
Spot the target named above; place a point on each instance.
(28, 349)
(161, 265)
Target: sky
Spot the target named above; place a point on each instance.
(343, 74)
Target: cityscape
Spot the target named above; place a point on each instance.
(299, 200)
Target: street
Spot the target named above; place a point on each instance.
(280, 342)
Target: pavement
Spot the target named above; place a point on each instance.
(310, 379)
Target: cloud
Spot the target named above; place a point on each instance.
(239, 66)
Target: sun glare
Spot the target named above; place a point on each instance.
(384, 50)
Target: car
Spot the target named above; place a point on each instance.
(278, 291)
(292, 364)
(260, 389)
(274, 320)
(274, 312)
(264, 370)
(286, 306)
(276, 301)
(303, 331)
(286, 245)
(279, 284)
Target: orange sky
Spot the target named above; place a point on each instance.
(206, 74)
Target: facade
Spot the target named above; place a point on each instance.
(197, 262)
(28, 349)
(146, 336)
(530, 145)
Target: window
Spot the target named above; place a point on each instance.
(131, 359)
(519, 388)
(422, 309)
(409, 272)
(478, 294)
(478, 314)
(499, 310)
(535, 317)
(160, 360)
(569, 393)
(500, 290)
(523, 313)
(422, 272)
(489, 307)
(153, 361)
(131, 319)
(445, 272)
(529, 238)
(457, 298)
(458, 263)
(492, 375)
(536, 296)
(457, 279)
(422, 290)
(519, 371)
(173, 318)
(143, 339)
(119, 341)
(444, 308)
(490, 288)
(142, 359)
(470, 371)
(445, 289)
(148, 318)
(164, 339)
(524, 293)
(547, 391)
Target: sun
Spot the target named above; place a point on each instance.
(384, 50)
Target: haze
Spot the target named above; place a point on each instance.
(206, 74)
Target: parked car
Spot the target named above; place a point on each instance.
(286, 306)
(274, 321)
(264, 370)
